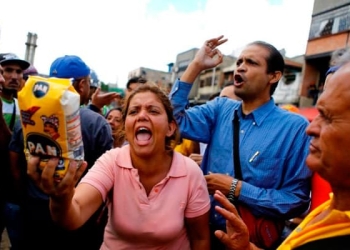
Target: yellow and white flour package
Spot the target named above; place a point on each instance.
(49, 111)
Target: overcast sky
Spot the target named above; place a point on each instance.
(114, 37)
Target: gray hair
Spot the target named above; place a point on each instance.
(344, 58)
(338, 56)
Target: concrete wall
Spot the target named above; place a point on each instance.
(323, 5)
(182, 61)
(327, 44)
(329, 31)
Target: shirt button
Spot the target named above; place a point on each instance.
(156, 190)
(242, 131)
(254, 123)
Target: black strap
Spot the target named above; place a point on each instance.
(13, 117)
(237, 162)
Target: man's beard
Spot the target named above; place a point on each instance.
(8, 92)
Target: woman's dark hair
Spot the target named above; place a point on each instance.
(171, 141)
(275, 61)
(116, 108)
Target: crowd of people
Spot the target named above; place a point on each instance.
(158, 174)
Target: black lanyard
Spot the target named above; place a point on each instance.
(13, 117)
(237, 162)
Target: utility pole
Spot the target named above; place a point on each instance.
(213, 80)
(30, 47)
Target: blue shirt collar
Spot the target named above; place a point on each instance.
(260, 113)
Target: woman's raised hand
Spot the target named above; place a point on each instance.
(50, 185)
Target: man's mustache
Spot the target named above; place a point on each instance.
(14, 82)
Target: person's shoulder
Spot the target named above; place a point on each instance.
(226, 101)
(93, 123)
(115, 154)
(223, 104)
(90, 116)
(88, 112)
(122, 156)
(291, 116)
(190, 165)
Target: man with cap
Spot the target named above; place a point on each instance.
(12, 71)
(13, 68)
(97, 139)
(31, 71)
(94, 83)
(5, 136)
(96, 131)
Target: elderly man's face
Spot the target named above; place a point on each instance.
(329, 147)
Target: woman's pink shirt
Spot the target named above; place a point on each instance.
(156, 221)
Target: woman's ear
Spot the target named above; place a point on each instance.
(172, 128)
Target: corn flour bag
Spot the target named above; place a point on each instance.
(50, 118)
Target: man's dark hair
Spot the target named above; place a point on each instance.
(275, 61)
(136, 79)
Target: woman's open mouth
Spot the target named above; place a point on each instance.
(143, 135)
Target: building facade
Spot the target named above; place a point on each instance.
(329, 32)
(161, 78)
(183, 59)
(208, 82)
(289, 86)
